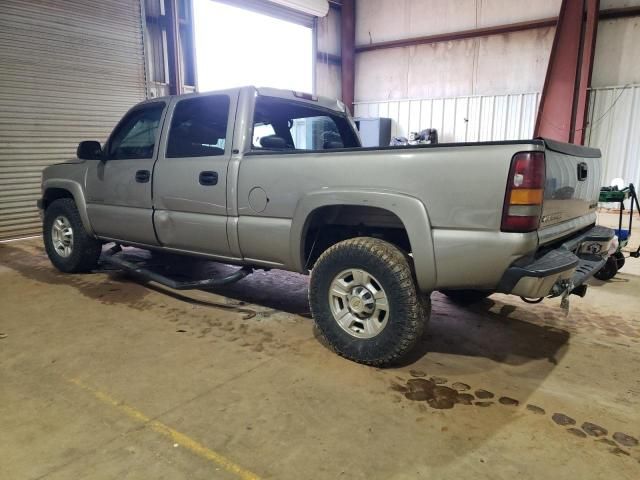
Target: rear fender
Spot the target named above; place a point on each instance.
(409, 210)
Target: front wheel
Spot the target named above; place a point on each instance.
(365, 302)
(69, 247)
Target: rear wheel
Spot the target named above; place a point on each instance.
(466, 297)
(365, 302)
(69, 247)
(619, 256)
(609, 270)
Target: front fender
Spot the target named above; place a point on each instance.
(409, 210)
(76, 190)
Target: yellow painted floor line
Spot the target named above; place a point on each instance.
(175, 436)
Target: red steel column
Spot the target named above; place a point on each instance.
(556, 113)
(347, 52)
(586, 68)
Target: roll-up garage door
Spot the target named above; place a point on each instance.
(69, 69)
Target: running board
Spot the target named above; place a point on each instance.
(146, 274)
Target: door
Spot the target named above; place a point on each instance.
(119, 187)
(190, 177)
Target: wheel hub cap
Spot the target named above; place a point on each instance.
(62, 236)
(358, 303)
(361, 301)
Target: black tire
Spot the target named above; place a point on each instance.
(466, 297)
(619, 256)
(408, 309)
(85, 250)
(609, 270)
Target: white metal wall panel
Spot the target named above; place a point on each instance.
(69, 70)
(459, 119)
(614, 122)
(614, 119)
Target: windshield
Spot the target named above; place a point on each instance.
(288, 125)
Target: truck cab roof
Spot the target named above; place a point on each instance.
(291, 95)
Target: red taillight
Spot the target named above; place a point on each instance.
(525, 193)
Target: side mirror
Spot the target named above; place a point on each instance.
(89, 150)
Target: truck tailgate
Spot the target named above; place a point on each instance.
(572, 188)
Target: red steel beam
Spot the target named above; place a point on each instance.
(586, 68)
(556, 112)
(347, 52)
(446, 37)
(610, 13)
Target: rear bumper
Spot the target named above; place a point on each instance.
(567, 266)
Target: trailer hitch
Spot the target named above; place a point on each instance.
(563, 289)
(111, 257)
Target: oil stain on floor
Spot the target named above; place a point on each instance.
(438, 395)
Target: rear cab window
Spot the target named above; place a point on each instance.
(281, 125)
(199, 127)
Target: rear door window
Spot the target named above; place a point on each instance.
(199, 127)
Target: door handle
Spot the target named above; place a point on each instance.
(583, 171)
(142, 176)
(208, 178)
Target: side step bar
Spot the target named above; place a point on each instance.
(146, 274)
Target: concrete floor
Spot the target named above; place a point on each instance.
(102, 377)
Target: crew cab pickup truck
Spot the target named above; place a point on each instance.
(268, 178)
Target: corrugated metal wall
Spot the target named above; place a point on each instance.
(68, 71)
(614, 122)
(460, 119)
(615, 129)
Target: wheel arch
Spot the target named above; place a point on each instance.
(410, 212)
(57, 188)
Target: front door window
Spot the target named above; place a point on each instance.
(136, 135)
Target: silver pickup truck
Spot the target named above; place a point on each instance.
(266, 178)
